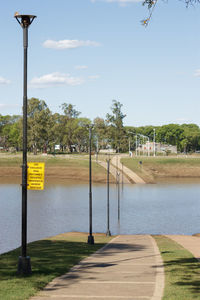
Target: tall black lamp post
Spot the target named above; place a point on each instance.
(24, 263)
(122, 175)
(118, 194)
(90, 236)
(108, 233)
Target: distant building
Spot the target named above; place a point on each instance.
(57, 147)
(160, 148)
(104, 151)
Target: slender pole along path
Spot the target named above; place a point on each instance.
(129, 267)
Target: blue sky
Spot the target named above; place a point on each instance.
(89, 52)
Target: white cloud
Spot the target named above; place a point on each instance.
(6, 105)
(93, 77)
(68, 44)
(182, 120)
(81, 67)
(197, 73)
(55, 79)
(4, 81)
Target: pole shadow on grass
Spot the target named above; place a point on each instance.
(57, 256)
(189, 268)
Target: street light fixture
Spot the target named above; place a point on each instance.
(141, 136)
(122, 175)
(24, 263)
(136, 143)
(108, 233)
(154, 142)
(144, 136)
(97, 149)
(148, 146)
(90, 236)
(117, 166)
(129, 143)
(118, 195)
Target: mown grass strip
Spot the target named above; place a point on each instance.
(182, 271)
(49, 258)
(69, 161)
(16, 160)
(153, 168)
(133, 163)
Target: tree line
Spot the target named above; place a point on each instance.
(70, 131)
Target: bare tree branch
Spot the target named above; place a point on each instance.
(151, 4)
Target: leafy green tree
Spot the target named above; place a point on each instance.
(56, 131)
(15, 140)
(184, 145)
(116, 130)
(4, 130)
(40, 122)
(69, 125)
(171, 134)
(10, 131)
(192, 137)
(100, 131)
(69, 111)
(81, 134)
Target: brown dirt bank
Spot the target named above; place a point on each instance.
(160, 174)
(57, 173)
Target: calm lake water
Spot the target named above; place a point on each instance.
(164, 208)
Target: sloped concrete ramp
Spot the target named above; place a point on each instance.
(129, 173)
(113, 171)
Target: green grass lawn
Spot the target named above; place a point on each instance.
(68, 160)
(182, 271)
(150, 161)
(49, 259)
(134, 165)
(154, 167)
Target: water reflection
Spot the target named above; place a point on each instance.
(61, 207)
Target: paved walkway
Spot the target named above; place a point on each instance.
(113, 171)
(129, 267)
(191, 243)
(131, 175)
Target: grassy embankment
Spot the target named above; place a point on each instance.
(154, 169)
(50, 258)
(182, 271)
(75, 167)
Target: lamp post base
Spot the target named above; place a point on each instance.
(108, 233)
(24, 265)
(90, 239)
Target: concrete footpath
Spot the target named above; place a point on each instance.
(129, 173)
(129, 267)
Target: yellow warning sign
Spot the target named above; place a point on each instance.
(35, 178)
